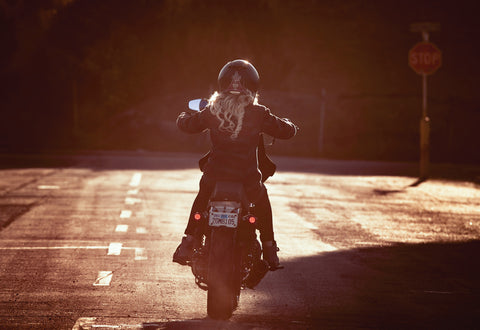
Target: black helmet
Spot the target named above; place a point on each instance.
(237, 76)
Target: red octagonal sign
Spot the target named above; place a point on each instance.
(424, 58)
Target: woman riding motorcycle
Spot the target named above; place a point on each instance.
(235, 121)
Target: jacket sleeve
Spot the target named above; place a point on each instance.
(193, 123)
(280, 128)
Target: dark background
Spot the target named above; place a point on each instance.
(114, 74)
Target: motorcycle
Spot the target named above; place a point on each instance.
(228, 258)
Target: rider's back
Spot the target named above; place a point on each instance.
(235, 159)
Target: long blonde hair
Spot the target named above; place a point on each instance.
(230, 110)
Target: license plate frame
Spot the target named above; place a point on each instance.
(223, 218)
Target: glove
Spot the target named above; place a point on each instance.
(291, 123)
(184, 115)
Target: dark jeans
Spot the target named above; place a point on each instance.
(263, 210)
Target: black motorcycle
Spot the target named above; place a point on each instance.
(228, 258)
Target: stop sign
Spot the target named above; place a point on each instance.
(424, 58)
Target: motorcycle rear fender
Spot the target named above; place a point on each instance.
(229, 191)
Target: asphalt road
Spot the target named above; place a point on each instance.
(86, 243)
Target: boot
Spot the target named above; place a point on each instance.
(183, 253)
(270, 250)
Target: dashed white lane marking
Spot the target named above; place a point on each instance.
(132, 201)
(136, 178)
(26, 248)
(140, 254)
(125, 214)
(46, 187)
(114, 249)
(121, 228)
(141, 230)
(84, 322)
(92, 323)
(66, 247)
(166, 323)
(132, 192)
(104, 278)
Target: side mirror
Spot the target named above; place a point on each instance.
(197, 104)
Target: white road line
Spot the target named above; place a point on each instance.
(104, 278)
(46, 187)
(125, 214)
(141, 230)
(140, 254)
(114, 249)
(121, 228)
(161, 323)
(84, 322)
(53, 247)
(132, 201)
(136, 178)
(91, 323)
(66, 247)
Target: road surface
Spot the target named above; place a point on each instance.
(86, 243)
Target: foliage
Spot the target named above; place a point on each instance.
(115, 73)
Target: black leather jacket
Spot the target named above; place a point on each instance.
(236, 159)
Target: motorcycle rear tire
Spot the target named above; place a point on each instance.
(223, 283)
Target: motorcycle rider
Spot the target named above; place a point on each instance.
(235, 120)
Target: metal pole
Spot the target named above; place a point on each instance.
(75, 107)
(424, 125)
(322, 119)
(424, 93)
(424, 28)
(424, 134)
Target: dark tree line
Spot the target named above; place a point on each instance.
(115, 73)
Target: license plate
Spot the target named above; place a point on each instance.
(223, 219)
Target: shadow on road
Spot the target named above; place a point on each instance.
(404, 286)
(200, 324)
(108, 160)
(102, 160)
(434, 285)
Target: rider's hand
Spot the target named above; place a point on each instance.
(291, 123)
(185, 115)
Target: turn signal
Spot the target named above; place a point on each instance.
(197, 216)
(252, 219)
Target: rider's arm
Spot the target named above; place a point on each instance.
(280, 128)
(192, 123)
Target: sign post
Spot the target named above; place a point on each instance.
(424, 58)
(322, 120)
